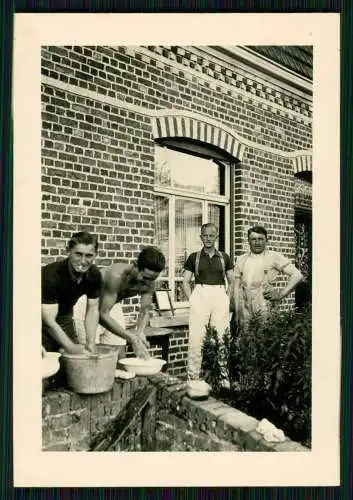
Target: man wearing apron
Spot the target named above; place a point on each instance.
(255, 274)
(209, 301)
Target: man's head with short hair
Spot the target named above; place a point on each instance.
(150, 263)
(84, 238)
(259, 230)
(151, 258)
(257, 237)
(82, 249)
(209, 235)
(209, 225)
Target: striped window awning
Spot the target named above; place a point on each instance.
(303, 163)
(199, 130)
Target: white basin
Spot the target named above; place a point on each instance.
(142, 366)
(50, 364)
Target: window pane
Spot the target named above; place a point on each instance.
(161, 210)
(185, 171)
(188, 219)
(216, 215)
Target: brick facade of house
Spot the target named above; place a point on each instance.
(104, 107)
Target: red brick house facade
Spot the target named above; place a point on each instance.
(142, 144)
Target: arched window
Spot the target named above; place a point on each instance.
(192, 187)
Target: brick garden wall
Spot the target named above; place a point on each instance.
(98, 144)
(70, 421)
(73, 422)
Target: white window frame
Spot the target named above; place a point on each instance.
(205, 198)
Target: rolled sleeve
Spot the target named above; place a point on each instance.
(228, 263)
(190, 263)
(280, 262)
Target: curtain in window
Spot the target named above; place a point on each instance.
(216, 215)
(162, 228)
(188, 220)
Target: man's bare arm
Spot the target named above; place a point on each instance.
(108, 299)
(230, 279)
(91, 322)
(143, 316)
(49, 314)
(186, 283)
(295, 277)
(236, 297)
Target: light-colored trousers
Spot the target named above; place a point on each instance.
(103, 336)
(209, 304)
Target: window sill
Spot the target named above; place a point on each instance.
(169, 321)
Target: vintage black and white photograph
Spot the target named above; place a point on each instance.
(185, 168)
(176, 252)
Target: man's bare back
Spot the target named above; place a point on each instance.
(121, 281)
(124, 277)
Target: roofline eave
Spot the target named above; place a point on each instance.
(266, 65)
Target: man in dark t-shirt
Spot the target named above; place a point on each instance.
(63, 283)
(209, 301)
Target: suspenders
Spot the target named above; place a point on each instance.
(220, 255)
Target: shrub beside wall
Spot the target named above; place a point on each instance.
(268, 366)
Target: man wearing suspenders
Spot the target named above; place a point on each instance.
(210, 299)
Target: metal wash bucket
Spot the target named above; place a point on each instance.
(91, 373)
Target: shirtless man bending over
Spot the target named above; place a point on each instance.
(121, 281)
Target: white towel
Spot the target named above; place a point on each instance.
(270, 432)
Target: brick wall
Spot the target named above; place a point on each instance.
(73, 422)
(174, 433)
(98, 158)
(94, 178)
(98, 144)
(178, 348)
(188, 425)
(70, 421)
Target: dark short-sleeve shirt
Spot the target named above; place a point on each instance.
(59, 286)
(210, 269)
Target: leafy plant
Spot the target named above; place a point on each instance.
(268, 366)
(213, 359)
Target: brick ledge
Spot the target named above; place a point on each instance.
(169, 321)
(214, 416)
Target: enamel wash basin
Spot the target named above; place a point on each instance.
(50, 364)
